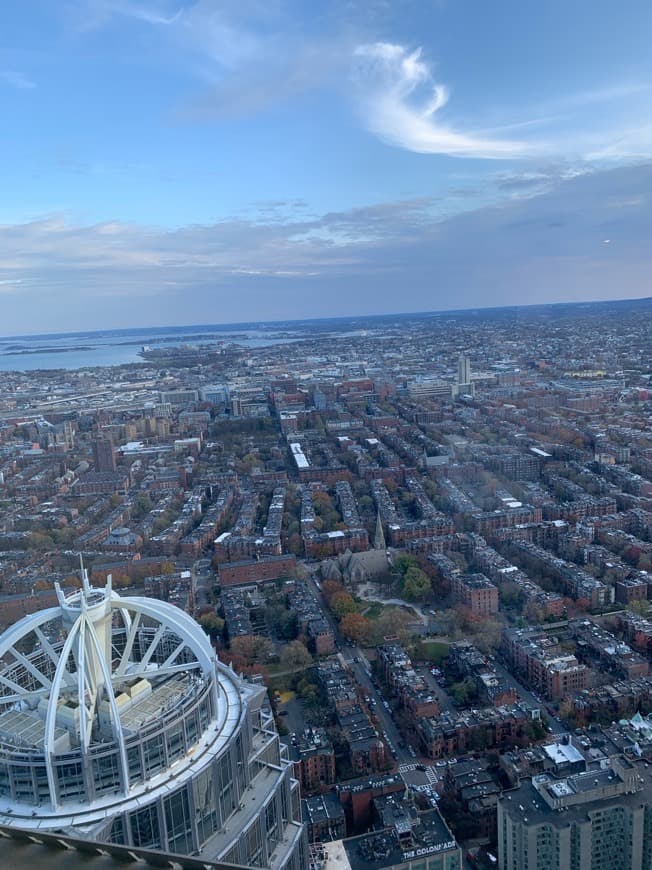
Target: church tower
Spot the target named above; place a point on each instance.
(379, 537)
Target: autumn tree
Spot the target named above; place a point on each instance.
(355, 627)
(330, 588)
(253, 648)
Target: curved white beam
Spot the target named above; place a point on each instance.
(51, 716)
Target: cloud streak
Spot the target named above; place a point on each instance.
(400, 102)
(403, 106)
(94, 14)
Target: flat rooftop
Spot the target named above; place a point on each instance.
(382, 849)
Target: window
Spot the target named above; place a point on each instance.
(70, 781)
(145, 828)
(154, 752)
(205, 806)
(135, 764)
(178, 823)
(106, 774)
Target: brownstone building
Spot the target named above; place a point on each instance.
(476, 592)
(256, 570)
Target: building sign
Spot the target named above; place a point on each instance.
(429, 850)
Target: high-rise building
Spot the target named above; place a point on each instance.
(463, 369)
(464, 386)
(118, 724)
(103, 453)
(599, 819)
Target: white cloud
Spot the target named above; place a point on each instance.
(402, 105)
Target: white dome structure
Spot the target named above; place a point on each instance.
(118, 723)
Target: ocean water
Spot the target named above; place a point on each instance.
(118, 347)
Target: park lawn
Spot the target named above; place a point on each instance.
(434, 650)
(374, 610)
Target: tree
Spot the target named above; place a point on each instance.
(295, 544)
(282, 623)
(253, 648)
(37, 541)
(464, 691)
(392, 622)
(308, 692)
(212, 624)
(535, 729)
(355, 627)
(295, 656)
(510, 596)
(342, 603)
(142, 505)
(416, 584)
(329, 588)
(488, 635)
(403, 562)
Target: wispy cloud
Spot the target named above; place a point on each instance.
(16, 79)
(402, 104)
(249, 56)
(253, 56)
(246, 55)
(89, 15)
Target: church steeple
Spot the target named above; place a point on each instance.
(379, 537)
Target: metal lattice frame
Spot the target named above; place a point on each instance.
(88, 668)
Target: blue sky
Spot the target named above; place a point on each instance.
(173, 161)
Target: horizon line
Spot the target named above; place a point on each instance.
(234, 325)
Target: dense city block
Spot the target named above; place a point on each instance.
(428, 537)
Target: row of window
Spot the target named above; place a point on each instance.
(27, 782)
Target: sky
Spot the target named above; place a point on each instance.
(184, 161)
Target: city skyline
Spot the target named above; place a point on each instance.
(179, 162)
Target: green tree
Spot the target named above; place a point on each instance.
(142, 506)
(403, 562)
(212, 625)
(308, 692)
(416, 584)
(463, 691)
(342, 603)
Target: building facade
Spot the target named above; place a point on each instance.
(598, 819)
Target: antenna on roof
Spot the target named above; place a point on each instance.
(84, 575)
